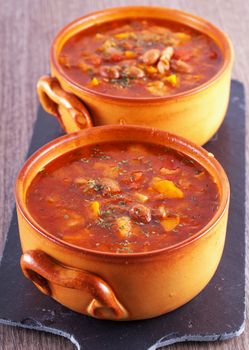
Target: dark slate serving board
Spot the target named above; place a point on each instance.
(217, 313)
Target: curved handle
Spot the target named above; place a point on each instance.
(41, 269)
(67, 108)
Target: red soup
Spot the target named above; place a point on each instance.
(123, 197)
(140, 58)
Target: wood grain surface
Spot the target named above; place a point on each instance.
(26, 30)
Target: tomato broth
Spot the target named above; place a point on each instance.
(123, 197)
(140, 58)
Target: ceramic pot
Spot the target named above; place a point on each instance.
(120, 286)
(195, 114)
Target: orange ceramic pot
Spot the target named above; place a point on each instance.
(195, 114)
(120, 286)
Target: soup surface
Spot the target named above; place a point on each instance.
(140, 58)
(123, 197)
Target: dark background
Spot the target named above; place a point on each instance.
(26, 30)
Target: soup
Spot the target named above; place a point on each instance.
(123, 197)
(140, 58)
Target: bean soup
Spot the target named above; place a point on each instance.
(140, 58)
(122, 197)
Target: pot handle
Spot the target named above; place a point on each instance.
(41, 269)
(66, 107)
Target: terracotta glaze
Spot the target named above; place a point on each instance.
(195, 114)
(124, 286)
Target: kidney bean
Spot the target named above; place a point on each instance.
(151, 56)
(162, 67)
(167, 54)
(140, 212)
(164, 61)
(134, 72)
(111, 72)
(181, 66)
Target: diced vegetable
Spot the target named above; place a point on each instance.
(157, 88)
(124, 226)
(184, 37)
(140, 197)
(108, 43)
(125, 35)
(109, 186)
(170, 223)
(95, 81)
(95, 208)
(130, 54)
(151, 70)
(167, 188)
(171, 79)
(165, 171)
(80, 181)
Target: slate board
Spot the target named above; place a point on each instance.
(217, 313)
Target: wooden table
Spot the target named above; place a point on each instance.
(26, 30)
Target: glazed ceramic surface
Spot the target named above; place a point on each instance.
(120, 286)
(195, 114)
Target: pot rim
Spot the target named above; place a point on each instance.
(222, 39)
(196, 150)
